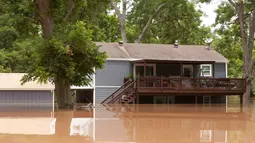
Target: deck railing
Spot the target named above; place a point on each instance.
(182, 84)
(116, 96)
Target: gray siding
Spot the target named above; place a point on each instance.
(220, 70)
(113, 73)
(196, 71)
(103, 92)
(25, 100)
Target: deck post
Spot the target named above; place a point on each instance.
(181, 69)
(241, 103)
(193, 67)
(213, 70)
(144, 69)
(161, 83)
(137, 99)
(196, 99)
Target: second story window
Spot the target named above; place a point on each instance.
(206, 70)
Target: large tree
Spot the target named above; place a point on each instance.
(58, 36)
(160, 21)
(242, 14)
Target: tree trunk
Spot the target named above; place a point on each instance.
(247, 94)
(121, 18)
(247, 49)
(123, 30)
(63, 93)
(44, 17)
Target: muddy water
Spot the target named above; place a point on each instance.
(134, 123)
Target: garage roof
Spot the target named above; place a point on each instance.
(11, 81)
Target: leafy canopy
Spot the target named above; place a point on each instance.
(53, 58)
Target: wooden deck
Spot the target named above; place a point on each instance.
(190, 86)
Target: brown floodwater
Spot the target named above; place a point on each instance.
(133, 123)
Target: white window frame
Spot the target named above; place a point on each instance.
(201, 67)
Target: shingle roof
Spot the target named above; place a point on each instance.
(11, 81)
(162, 52)
(112, 50)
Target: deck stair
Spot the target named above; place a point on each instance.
(124, 95)
(127, 99)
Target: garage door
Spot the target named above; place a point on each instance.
(26, 100)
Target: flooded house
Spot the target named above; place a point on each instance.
(142, 74)
(164, 74)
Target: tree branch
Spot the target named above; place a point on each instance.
(251, 30)
(116, 9)
(121, 18)
(232, 3)
(124, 9)
(70, 10)
(138, 40)
(240, 12)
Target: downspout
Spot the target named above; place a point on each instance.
(53, 102)
(94, 105)
(226, 74)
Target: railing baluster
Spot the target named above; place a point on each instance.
(180, 84)
(213, 84)
(229, 84)
(161, 81)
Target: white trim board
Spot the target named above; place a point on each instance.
(26, 89)
(122, 59)
(132, 59)
(82, 87)
(108, 86)
(103, 119)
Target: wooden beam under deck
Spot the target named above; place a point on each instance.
(159, 91)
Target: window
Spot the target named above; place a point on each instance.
(150, 69)
(206, 70)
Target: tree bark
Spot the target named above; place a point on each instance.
(63, 92)
(60, 92)
(62, 88)
(138, 40)
(44, 17)
(247, 46)
(121, 18)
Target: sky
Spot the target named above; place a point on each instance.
(209, 9)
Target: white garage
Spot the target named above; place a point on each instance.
(30, 96)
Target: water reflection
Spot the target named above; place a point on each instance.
(133, 123)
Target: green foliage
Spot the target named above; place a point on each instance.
(228, 36)
(52, 58)
(177, 20)
(76, 24)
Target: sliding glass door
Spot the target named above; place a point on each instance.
(142, 70)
